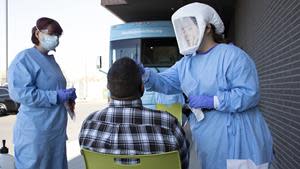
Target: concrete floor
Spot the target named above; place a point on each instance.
(75, 160)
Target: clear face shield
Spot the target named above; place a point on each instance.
(188, 34)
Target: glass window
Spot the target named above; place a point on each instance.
(159, 52)
(124, 48)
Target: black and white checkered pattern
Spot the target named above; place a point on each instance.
(126, 127)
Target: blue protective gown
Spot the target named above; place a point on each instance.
(40, 128)
(236, 129)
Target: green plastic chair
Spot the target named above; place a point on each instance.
(167, 160)
(174, 109)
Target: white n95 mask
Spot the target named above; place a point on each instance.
(189, 24)
(49, 42)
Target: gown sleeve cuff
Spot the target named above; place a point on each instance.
(146, 75)
(52, 95)
(216, 102)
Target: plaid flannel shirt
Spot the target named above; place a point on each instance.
(126, 127)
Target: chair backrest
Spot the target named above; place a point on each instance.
(167, 160)
(174, 109)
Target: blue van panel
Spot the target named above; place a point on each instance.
(149, 29)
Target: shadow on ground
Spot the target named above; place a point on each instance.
(76, 163)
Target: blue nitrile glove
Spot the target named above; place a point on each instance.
(64, 95)
(201, 102)
(141, 68)
(73, 95)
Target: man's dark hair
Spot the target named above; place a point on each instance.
(124, 79)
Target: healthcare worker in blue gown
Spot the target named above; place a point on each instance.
(221, 83)
(38, 84)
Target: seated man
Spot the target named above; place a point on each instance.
(125, 126)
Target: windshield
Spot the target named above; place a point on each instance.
(159, 52)
(152, 52)
(124, 48)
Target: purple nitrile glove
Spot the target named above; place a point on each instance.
(64, 95)
(72, 95)
(201, 102)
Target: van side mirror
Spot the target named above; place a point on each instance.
(99, 64)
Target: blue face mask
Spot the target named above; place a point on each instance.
(49, 42)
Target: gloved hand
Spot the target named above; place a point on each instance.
(73, 95)
(141, 68)
(64, 95)
(201, 101)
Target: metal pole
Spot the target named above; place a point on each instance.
(6, 59)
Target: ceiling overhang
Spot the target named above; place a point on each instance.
(147, 10)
